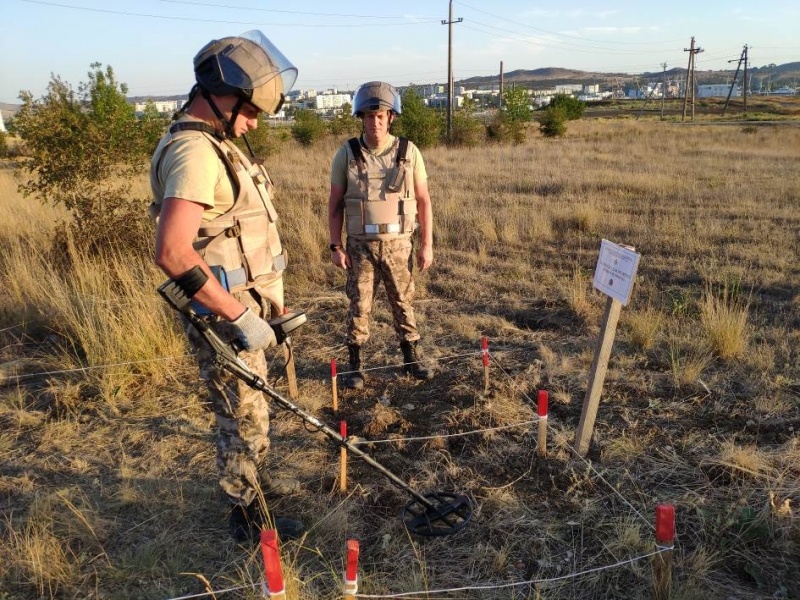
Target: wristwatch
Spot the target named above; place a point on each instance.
(335, 247)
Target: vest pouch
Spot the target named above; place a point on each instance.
(259, 243)
(395, 178)
(265, 189)
(353, 216)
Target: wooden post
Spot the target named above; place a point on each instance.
(272, 565)
(334, 387)
(343, 458)
(485, 353)
(288, 357)
(351, 572)
(662, 562)
(542, 412)
(597, 375)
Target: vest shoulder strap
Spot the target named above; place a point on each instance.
(402, 151)
(355, 148)
(196, 126)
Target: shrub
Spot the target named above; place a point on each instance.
(308, 127)
(573, 108)
(510, 124)
(419, 123)
(553, 122)
(467, 129)
(345, 124)
(3, 144)
(85, 149)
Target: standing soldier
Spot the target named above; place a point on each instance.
(217, 239)
(379, 192)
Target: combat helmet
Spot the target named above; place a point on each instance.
(376, 95)
(248, 66)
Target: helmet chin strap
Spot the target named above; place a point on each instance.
(228, 124)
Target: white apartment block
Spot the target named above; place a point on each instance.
(162, 106)
(331, 101)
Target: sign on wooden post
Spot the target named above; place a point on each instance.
(614, 276)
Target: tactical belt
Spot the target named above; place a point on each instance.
(382, 228)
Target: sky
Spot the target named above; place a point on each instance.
(150, 43)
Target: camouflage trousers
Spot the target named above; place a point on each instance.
(242, 413)
(373, 261)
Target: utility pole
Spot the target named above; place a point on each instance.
(449, 22)
(742, 58)
(690, 78)
(502, 82)
(663, 88)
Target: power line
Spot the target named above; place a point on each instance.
(222, 21)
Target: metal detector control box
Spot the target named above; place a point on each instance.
(285, 324)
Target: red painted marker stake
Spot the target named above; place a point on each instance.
(485, 353)
(272, 563)
(662, 562)
(541, 407)
(351, 573)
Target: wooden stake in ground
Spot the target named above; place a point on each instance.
(334, 387)
(665, 541)
(614, 276)
(343, 458)
(541, 406)
(288, 357)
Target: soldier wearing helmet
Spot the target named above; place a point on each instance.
(217, 239)
(379, 196)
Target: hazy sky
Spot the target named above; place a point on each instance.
(150, 43)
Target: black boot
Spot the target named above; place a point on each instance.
(355, 379)
(246, 523)
(411, 364)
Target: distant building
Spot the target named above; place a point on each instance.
(161, 106)
(716, 90)
(325, 102)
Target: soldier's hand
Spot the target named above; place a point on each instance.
(424, 257)
(340, 258)
(253, 332)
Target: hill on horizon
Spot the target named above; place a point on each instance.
(776, 75)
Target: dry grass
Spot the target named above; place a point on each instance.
(109, 488)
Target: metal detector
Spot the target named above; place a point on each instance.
(429, 515)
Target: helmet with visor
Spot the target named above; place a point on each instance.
(376, 95)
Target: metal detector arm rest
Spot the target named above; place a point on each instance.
(226, 354)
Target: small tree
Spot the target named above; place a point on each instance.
(308, 127)
(573, 108)
(345, 123)
(511, 122)
(467, 129)
(3, 144)
(85, 149)
(553, 121)
(419, 123)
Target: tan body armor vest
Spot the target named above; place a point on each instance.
(379, 201)
(244, 241)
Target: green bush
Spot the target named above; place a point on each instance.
(265, 140)
(573, 108)
(419, 123)
(308, 127)
(3, 144)
(345, 124)
(510, 124)
(467, 129)
(553, 122)
(84, 150)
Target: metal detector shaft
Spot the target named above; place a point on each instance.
(256, 382)
(227, 358)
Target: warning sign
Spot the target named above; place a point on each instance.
(616, 271)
